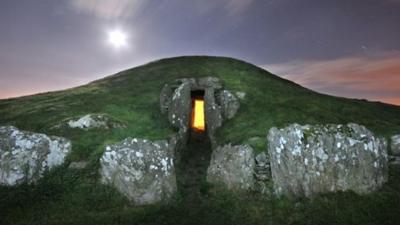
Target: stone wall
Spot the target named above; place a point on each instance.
(262, 174)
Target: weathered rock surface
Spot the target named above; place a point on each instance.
(241, 95)
(179, 110)
(79, 165)
(394, 160)
(262, 173)
(91, 121)
(307, 160)
(229, 104)
(140, 169)
(25, 156)
(213, 114)
(232, 166)
(395, 146)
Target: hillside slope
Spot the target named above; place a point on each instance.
(132, 96)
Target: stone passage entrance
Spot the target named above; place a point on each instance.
(197, 104)
(196, 107)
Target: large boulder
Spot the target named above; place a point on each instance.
(140, 169)
(25, 156)
(232, 166)
(307, 160)
(395, 146)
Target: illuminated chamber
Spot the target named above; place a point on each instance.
(198, 116)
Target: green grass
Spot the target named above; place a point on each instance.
(66, 196)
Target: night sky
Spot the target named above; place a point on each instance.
(348, 48)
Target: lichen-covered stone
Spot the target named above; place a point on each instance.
(307, 160)
(140, 169)
(166, 97)
(91, 121)
(394, 160)
(25, 156)
(241, 95)
(232, 166)
(262, 168)
(395, 145)
(229, 104)
(79, 165)
(179, 110)
(262, 173)
(213, 114)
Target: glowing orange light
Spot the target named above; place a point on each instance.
(198, 115)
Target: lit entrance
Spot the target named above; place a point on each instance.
(198, 116)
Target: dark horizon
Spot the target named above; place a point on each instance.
(102, 77)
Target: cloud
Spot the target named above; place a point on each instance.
(392, 1)
(374, 78)
(237, 6)
(111, 9)
(108, 9)
(232, 7)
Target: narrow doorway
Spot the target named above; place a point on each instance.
(198, 117)
(197, 122)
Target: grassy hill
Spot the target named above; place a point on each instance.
(132, 96)
(66, 196)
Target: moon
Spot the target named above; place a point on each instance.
(117, 38)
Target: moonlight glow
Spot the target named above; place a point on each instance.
(117, 38)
